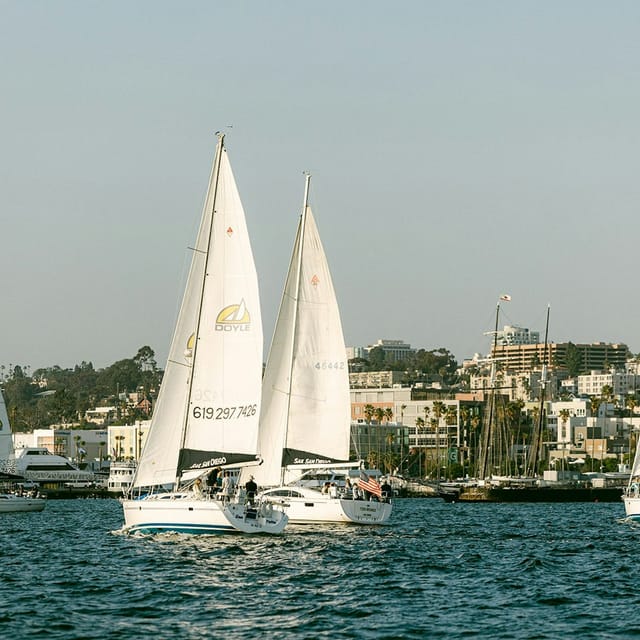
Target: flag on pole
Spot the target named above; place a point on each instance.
(505, 297)
(369, 484)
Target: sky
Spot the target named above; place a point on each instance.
(460, 150)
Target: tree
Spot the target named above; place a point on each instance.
(420, 430)
(377, 359)
(573, 360)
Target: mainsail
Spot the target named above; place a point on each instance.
(209, 402)
(306, 412)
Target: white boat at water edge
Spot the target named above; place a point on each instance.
(121, 474)
(38, 464)
(305, 421)
(207, 411)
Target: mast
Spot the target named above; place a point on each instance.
(303, 221)
(215, 175)
(536, 441)
(487, 432)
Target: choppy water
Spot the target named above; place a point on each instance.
(438, 571)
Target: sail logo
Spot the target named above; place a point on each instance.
(234, 317)
(315, 281)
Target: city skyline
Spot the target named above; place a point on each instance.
(459, 152)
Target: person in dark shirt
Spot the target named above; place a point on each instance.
(387, 491)
(212, 479)
(251, 488)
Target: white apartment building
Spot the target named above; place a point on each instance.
(621, 383)
(394, 350)
(406, 411)
(517, 335)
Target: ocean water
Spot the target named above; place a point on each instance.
(437, 571)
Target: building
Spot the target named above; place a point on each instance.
(619, 382)
(368, 379)
(415, 424)
(394, 350)
(126, 441)
(511, 335)
(526, 357)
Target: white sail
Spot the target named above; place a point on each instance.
(7, 454)
(306, 411)
(209, 402)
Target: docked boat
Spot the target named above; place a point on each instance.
(121, 474)
(38, 464)
(207, 411)
(14, 497)
(306, 414)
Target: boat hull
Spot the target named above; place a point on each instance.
(539, 494)
(632, 507)
(182, 513)
(317, 508)
(10, 503)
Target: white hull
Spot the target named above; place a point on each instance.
(186, 513)
(304, 506)
(632, 507)
(10, 503)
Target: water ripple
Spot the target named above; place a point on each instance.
(439, 571)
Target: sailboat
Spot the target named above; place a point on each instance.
(206, 415)
(305, 420)
(631, 497)
(13, 498)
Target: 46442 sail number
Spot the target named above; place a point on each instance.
(224, 413)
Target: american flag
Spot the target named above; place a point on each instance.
(369, 484)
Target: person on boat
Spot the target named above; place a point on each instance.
(387, 491)
(325, 487)
(228, 486)
(197, 487)
(333, 490)
(252, 489)
(212, 479)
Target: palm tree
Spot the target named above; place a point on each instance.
(438, 411)
(389, 455)
(369, 410)
(379, 412)
(564, 415)
(434, 422)
(119, 452)
(420, 429)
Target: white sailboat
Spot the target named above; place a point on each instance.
(306, 413)
(207, 411)
(631, 496)
(13, 498)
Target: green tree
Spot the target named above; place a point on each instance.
(573, 360)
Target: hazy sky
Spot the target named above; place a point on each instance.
(459, 150)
